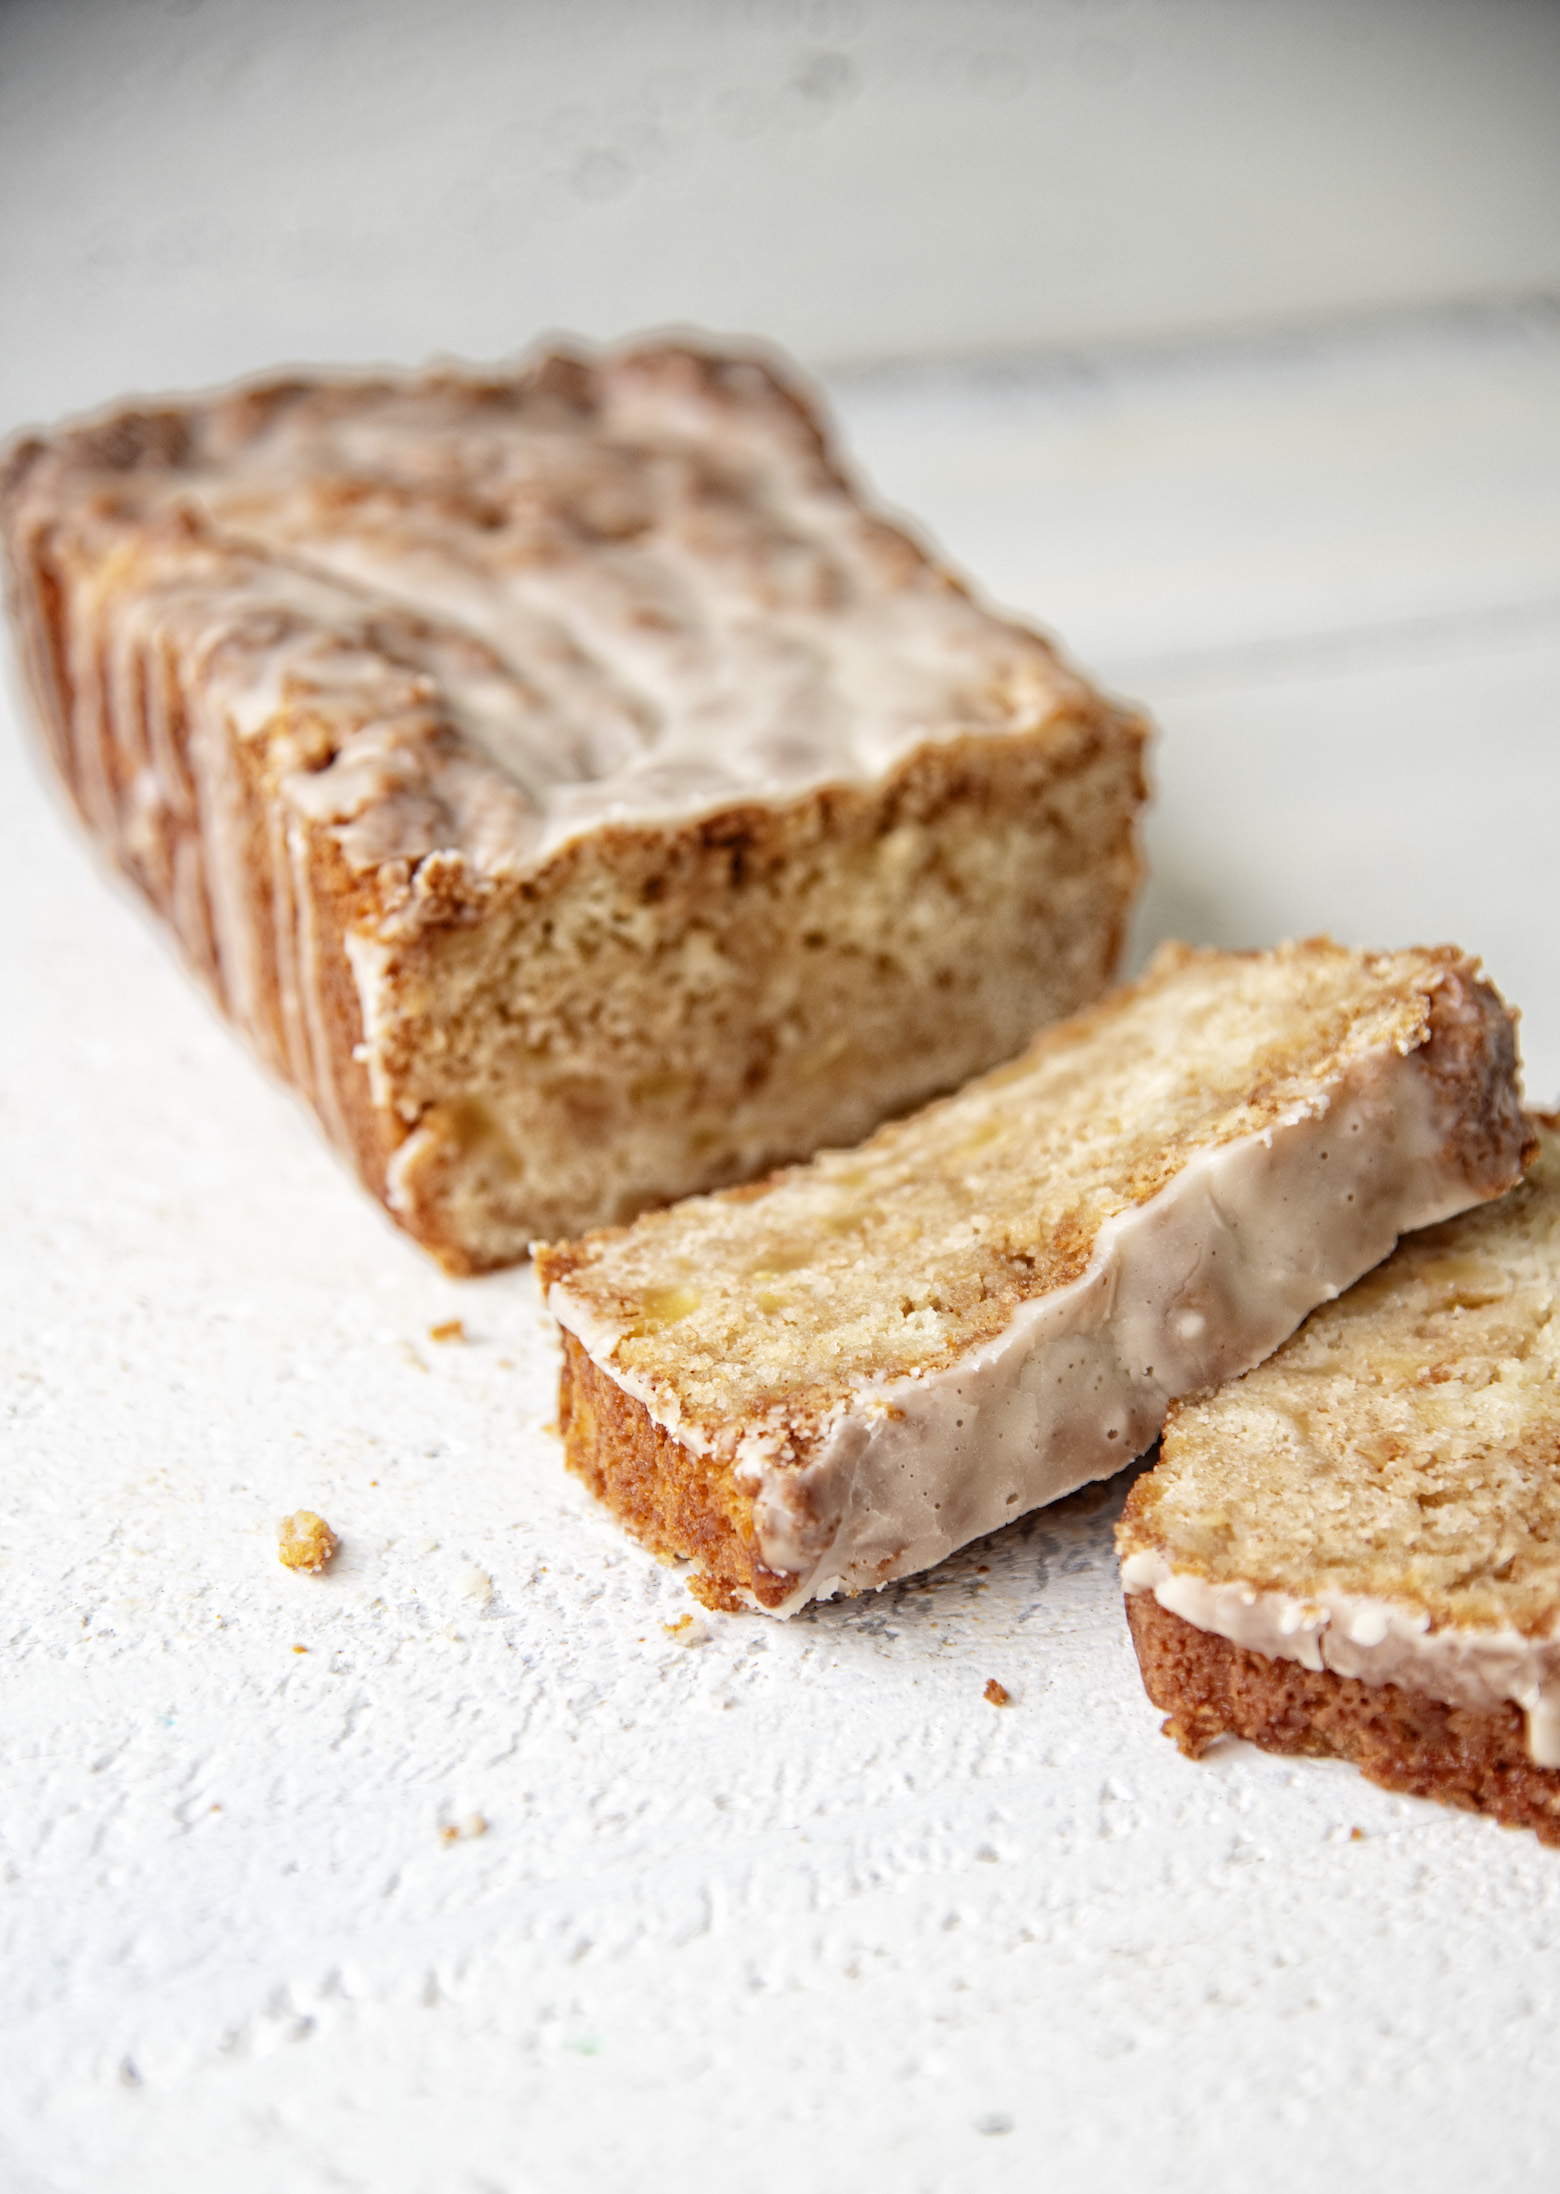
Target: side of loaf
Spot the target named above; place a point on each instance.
(834, 1377)
(1355, 1549)
(1400, 1737)
(562, 776)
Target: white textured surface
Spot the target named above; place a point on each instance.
(218, 182)
(794, 1901)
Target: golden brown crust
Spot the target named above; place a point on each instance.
(681, 1505)
(1210, 1688)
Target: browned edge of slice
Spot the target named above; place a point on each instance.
(680, 1504)
(1210, 1688)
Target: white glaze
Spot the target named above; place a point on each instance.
(1378, 1641)
(1190, 1288)
(642, 612)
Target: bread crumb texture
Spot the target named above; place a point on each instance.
(307, 1542)
(899, 1256)
(997, 1694)
(1405, 1444)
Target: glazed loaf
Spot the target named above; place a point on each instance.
(562, 775)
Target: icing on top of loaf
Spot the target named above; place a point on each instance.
(485, 614)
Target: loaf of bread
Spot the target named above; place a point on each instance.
(834, 1377)
(562, 775)
(1356, 1549)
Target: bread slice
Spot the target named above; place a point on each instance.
(1356, 1548)
(562, 774)
(835, 1377)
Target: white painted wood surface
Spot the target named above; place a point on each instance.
(189, 188)
(793, 1903)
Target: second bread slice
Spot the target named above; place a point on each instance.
(839, 1375)
(1355, 1549)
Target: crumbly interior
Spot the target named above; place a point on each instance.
(661, 1016)
(1404, 1445)
(902, 1254)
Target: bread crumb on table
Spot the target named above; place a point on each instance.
(998, 1694)
(459, 1832)
(686, 1631)
(307, 1542)
(452, 1329)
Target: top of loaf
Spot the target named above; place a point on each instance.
(477, 615)
(895, 1259)
(1403, 1446)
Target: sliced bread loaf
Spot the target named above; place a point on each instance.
(836, 1376)
(1356, 1548)
(563, 775)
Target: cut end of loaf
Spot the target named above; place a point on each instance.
(663, 1013)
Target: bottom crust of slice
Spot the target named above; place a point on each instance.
(683, 1506)
(1210, 1687)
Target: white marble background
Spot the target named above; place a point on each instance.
(1225, 339)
